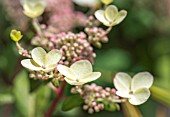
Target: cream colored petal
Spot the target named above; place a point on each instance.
(73, 82)
(123, 94)
(38, 55)
(142, 80)
(91, 77)
(52, 58)
(111, 13)
(81, 68)
(139, 96)
(122, 83)
(67, 72)
(121, 16)
(29, 64)
(100, 15)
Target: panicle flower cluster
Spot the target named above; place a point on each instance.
(97, 98)
(95, 33)
(14, 14)
(61, 16)
(72, 46)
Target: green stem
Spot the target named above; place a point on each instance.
(160, 95)
(36, 26)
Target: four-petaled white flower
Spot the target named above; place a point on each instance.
(79, 73)
(135, 89)
(110, 16)
(34, 9)
(42, 60)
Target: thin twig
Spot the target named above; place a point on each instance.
(56, 100)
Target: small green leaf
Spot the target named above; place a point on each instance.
(23, 100)
(35, 84)
(6, 98)
(71, 102)
(55, 82)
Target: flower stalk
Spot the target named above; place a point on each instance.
(56, 100)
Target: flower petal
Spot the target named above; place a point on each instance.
(123, 94)
(52, 58)
(122, 83)
(67, 72)
(142, 80)
(30, 64)
(100, 15)
(111, 13)
(81, 68)
(140, 96)
(91, 77)
(73, 82)
(121, 16)
(38, 55)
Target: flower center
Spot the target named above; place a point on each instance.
(131, 92)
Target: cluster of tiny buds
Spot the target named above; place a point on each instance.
(22, 51)
(72, 46)
(45, 75)
(94, 97)
(95, 34)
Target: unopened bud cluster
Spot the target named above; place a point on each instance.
(96, 35)
(72, 46)
(94, 97)
(23, 51)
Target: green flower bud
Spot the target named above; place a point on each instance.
(15, 35)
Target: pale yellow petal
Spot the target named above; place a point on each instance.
(106, 2)
(73, 82)
(67, 72)
(139, 96)
(142, 80)
(38, 55)
(100, 15)
(81, 68)
(30, 64)
(52, 58)
(122, 82)
(91, 77)
(33, 10)
(123, 94)
(111, 13)
(120, 17)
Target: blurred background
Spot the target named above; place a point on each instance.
(140, 43)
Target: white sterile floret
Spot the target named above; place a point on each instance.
(34, 9)
(79, 72)
(110, 16)
(135, 89)
(87, 3)
(42, 60)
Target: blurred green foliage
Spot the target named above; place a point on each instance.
(140, 43)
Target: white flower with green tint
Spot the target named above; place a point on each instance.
(34, 9)
(110, 16)
(136, 89)
(79, 73)
(41, 60)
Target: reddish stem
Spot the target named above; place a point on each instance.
(56, 100)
